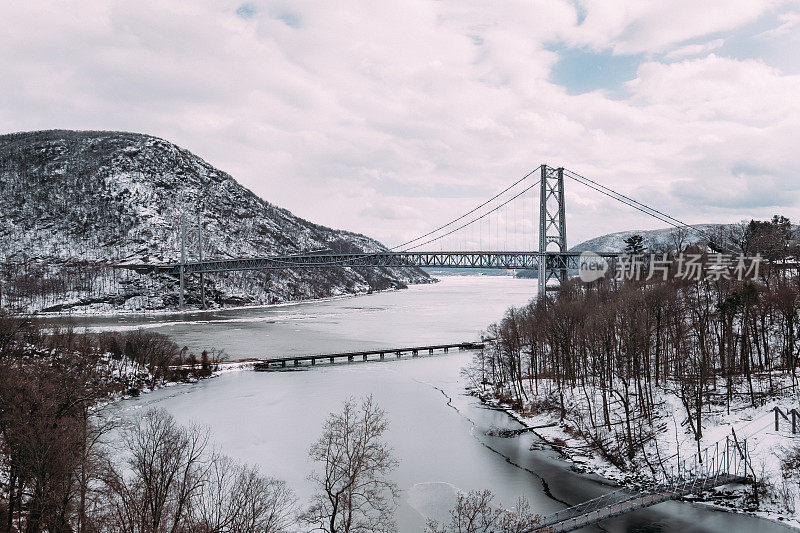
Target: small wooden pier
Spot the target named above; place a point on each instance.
(363, 355)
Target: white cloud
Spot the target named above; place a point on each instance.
(694, 49)
(652, 26)
(788, 24)
(339, 111)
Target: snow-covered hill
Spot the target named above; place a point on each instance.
(72, 203)
(655, 241)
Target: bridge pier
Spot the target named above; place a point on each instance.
(381, 356)
(183, 261)
(414, 353)
(283, 364)
(331, 359)
(364, 357)
(399, 354)
(446, 349)
(349, 358)
(297, 362)
(430, 351)
(313, 362)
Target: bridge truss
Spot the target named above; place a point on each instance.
(551, 261)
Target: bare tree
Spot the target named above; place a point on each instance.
(165, 466)
(732, 237)
(354, 494)
(475, 513)
(238, 499)
(678, 239)
(790, 470)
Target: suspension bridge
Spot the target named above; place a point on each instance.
(500, 233)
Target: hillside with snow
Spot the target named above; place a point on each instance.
(655, 241)
(75, 203)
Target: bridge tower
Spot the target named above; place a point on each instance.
(552, 226)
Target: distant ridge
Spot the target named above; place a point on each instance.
(655, 240)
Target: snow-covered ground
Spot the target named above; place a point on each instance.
(779, 498)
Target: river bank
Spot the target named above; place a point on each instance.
(101, 311)
(776, 494)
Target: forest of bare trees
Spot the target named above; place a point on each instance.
(68, 465)
(58, 470)
(614, 348)
(477, 512)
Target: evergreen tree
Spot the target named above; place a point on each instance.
(634, 245)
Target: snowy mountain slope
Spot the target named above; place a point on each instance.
(72, 202)
(655, 241)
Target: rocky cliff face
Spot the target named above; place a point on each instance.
(72, 204)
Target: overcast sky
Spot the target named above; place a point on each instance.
(389, 118)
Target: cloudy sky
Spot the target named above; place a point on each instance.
(390, 118)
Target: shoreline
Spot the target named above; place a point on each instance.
(163, 313)
(582, 463)
(225, 367)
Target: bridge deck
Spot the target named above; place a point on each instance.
(452, 259)
(578, 519)
(265, 364)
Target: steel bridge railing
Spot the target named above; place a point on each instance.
(719, 465)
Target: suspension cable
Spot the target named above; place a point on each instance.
(523, 178)
(344, 262)
(665, 220)
(655, 213)
(476, 219)
(576, 175)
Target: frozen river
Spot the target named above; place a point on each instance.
(437, 432)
